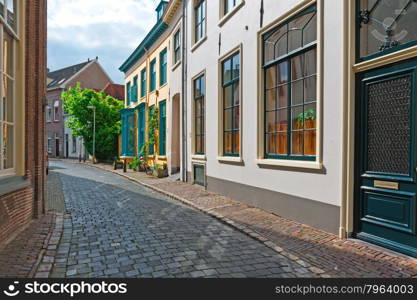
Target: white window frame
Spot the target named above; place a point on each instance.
(194, 156)
(224, 17)
(221, 157)
(56, 111)
(197, 43)
(175, 64)
(11, 78)
(261, 161)
(48, 113)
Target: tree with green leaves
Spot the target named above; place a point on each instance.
(80, 121)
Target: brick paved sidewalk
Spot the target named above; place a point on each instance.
(31, 252)
(318, 250)
(21, 256)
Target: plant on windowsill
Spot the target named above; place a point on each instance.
(307, 121)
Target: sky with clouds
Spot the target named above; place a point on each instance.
(111, 30)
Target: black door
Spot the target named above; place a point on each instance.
(386, 186)
(57, 147)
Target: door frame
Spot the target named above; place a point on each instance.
(393, 71)
(350, 69)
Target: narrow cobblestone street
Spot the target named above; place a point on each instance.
(116, 228)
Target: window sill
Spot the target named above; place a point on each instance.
(162, 157)
(230, 14)
(164, 85)
(230, 159)
(197, 44)
(12, 183)
(198, 157)
(174, 67)
(314, 165)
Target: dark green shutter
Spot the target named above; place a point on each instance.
(162, 128)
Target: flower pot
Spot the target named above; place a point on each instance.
(160, 173)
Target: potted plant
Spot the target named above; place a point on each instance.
(308, 121)
(160, 170)
(135, 164)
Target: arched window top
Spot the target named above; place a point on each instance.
(297, 33)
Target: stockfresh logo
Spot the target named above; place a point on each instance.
(12, 290)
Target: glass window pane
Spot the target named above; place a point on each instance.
(282, 143)
(310, 63)
(276, 45)
(271, 77)
(228, 94)
(283, 96)
(236, 137)
(8, 146)
(310, 30)
(282, 120)
(310, 116)
(270, 103)
(310, 142)
(7, 107)
(236, 118)
(236, 66)
(227, 71)
(294, 39)
(228, 113)
(297, 67)
(297, 89)
(297, 118)
(2, 7)
(390, 25)
(282, 72)
(228, 137)
(271, 143)
(236, 94)
(310, 89)
(11, 16)
(297, 145)
(7, 53)
(270, 122)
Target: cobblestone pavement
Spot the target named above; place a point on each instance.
(116, 228)
(319, 251)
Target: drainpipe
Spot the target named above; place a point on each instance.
(344, 178)
(184, 139)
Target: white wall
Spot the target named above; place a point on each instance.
(325, 186)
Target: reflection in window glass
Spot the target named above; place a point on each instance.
(199, 114)
(7, 86)
(231, 105)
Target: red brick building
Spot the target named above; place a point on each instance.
(22, 155)
(59, 140)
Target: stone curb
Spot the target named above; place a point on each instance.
(43, 265)
(245, 230)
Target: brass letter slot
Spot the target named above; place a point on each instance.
(386, 184)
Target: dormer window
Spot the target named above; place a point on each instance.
(160, 10)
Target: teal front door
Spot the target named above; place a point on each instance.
(141, 127)
(385, 185)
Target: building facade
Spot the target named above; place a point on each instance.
(60, 142)
(305, 108)
(301, 108)
(147, 80)
(22, 156)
